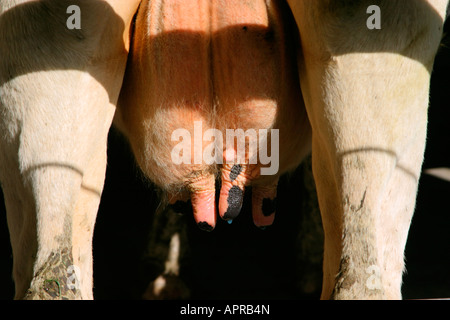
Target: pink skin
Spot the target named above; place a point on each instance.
(203, 202)
(234, 180)
(202, 197)
(227, 65)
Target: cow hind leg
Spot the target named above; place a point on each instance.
(83, 222)
(52, 180)
(366, 93)
(56, 108)
(60, 235)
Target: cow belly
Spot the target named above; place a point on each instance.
(205, 67)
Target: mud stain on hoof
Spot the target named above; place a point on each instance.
(55, 280)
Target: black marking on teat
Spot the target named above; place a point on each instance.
(235, 171)
(182, 207)
(269, 206)
(205, 226)
(235, 200)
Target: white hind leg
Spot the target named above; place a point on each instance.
(58, 90)
(366, 93)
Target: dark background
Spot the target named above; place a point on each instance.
(238, 260)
